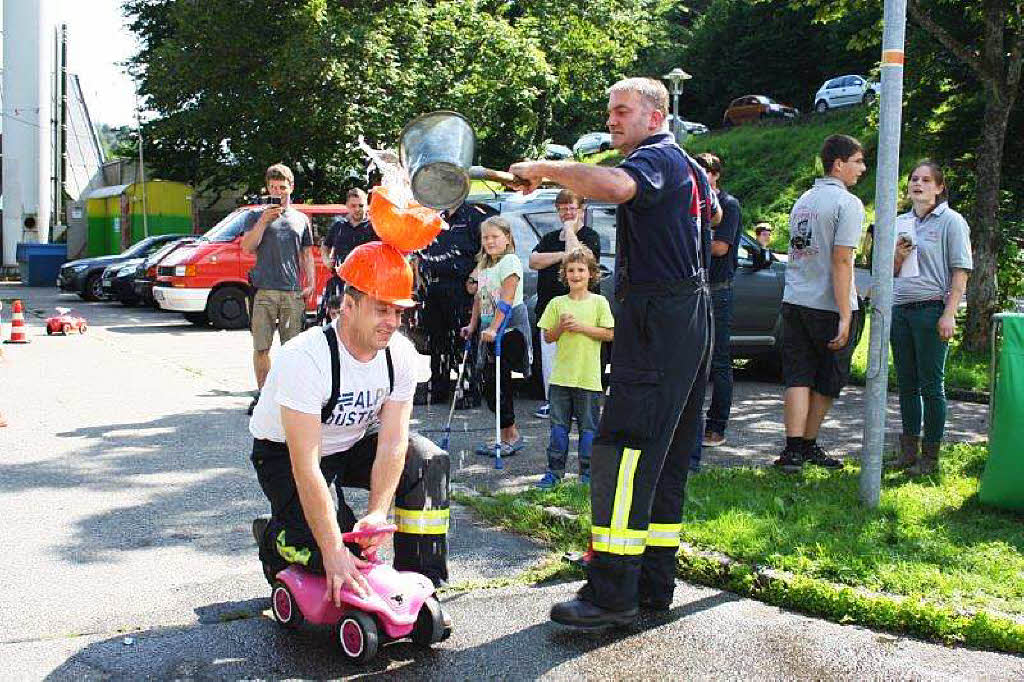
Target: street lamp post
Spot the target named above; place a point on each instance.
(676, 77)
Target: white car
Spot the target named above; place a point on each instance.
(845, 91)
(690, 127)
(591, 143)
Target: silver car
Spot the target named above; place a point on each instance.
(591, 143)
(845, 91)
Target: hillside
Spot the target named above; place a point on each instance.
(767, 167)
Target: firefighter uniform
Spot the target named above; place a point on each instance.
(659, 371)
(445, 266)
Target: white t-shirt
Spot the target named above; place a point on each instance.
(300, 379)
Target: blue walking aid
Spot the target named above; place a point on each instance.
(505, 309)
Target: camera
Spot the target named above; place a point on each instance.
(271, 201)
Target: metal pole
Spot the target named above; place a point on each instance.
(886, 188)
(675, 110)
(142, 171)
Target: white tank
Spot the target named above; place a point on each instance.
(28, 79)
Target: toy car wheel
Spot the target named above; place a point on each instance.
(431, 627)
(358, 636)
(49, 331)
(66, 328)
(286, 610)
(83, 328)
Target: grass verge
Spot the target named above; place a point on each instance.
(930, 561)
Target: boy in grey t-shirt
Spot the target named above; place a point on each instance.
(820, 301)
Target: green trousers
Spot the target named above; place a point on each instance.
(920, 358)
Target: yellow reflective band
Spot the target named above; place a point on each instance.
(292, 555)
(422, 521)
(623, 542)
(624, 488)
(663, 534)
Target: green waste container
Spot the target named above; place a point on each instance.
(1002, 484)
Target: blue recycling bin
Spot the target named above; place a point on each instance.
(40, 263)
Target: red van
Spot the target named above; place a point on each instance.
(208, 281)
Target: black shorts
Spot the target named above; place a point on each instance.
(807, 360)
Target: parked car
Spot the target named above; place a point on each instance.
(557, 152)
(83, 276)
(845, 91)
(145, 273)
(591, 143)
(690, 127)
(752, 108)
(208, 280)
(118, 279)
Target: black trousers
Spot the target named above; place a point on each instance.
(513, 354)
(446, 310)
(641, 456)
(421, 504)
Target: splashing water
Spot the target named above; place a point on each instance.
(394, 176)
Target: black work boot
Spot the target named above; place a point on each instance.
(928, 462)
(582, 613)
(909, 451)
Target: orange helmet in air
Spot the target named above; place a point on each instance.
(381, 271)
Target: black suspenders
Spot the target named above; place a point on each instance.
(332, 342)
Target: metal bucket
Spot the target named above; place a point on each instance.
(437, 150)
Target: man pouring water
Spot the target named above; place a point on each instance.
(660, 358)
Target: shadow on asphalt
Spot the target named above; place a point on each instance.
(235, 640)
(183, 496)
(172, 329)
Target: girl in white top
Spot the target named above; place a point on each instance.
(500, 278)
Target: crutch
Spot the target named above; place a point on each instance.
(506, 310)
(455, 398)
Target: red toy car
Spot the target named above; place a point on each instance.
(65, 323)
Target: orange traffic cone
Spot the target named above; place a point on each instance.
(17, 325)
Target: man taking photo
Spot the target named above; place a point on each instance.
(282, 240)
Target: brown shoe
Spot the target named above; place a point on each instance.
(928, 463)
(712, 439)
(909, 451)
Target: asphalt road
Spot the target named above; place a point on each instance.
(127, 496)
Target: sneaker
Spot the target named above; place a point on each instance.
(549, 481)
(252, 405)
(712, 439)
(789, 462)
(507, 449)
(543, 412)
(819, 455)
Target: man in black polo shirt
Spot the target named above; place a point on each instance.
(547, 259)
(345, 234)
(350, 231)
(659, 362)
(724, 257)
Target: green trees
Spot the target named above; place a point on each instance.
(239, 85)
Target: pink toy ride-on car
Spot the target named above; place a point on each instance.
(65, 323)
(401, 605)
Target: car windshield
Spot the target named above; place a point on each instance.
(139, 249)
(228, 229)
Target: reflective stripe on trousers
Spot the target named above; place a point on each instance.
(422, 521)
(663, 534)
(619, 539)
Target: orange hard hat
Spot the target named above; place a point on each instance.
(407, 229)
(381, 271)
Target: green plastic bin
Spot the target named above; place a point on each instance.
(1002, 484)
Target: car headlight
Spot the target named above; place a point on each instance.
(79, 268)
